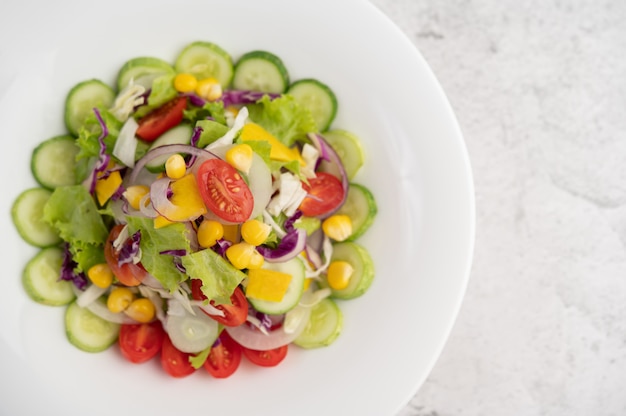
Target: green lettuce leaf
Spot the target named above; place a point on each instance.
(211, 131)
(154, 242)
(219, 277)
(288, 121)
(162, 91)
(212, 109)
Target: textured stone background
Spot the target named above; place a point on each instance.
(539, 88)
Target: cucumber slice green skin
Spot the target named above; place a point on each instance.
(204, 60)
(41, 278)
(325, 325)
(27, 216)
(318, 98)
(361, 207)
(81, 100)
(261, 71)
(142, 70)
(295, 268)
(180, 134)
(349, 149)
(87, 331)
(363, 265)
(53, 162)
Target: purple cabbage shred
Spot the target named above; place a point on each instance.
(129, 249)
(68, 270)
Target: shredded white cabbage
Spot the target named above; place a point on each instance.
(127, 100)
(126, 143)
(290, 195)
(230, 135)
(310, 154)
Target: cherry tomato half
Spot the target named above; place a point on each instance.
(325, 193)
(162, 119)
(140, 342)
(175, 362)
(234, 314)
(224, 191)
(269, 358)
(224, 358)
(128, 274)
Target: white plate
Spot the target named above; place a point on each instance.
(417, 167)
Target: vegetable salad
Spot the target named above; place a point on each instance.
(199, 211)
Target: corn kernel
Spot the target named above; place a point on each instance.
(185, 82)
(175, 167)
(209, 232)
(240, 157)
(338, 227)
(209, 88)
(134, 194)
(255, 232)
(119, 299)
(256, 260)
(141, 310)
(100, 275)
(339, 274)
(240, 254)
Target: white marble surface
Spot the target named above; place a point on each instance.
(539, 88)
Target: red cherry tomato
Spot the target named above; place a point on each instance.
(234, 314)
(128, 274)
(140, 342)
(175, 362)
(325, 193)
(269, 358)
(224, 358)
(162, 119)
(224, 191)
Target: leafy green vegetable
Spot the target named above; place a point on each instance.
(198, 360)
(156, 241)
(212, 109)
(288, 121)
(162, 91)
(211, 131)
(219, 277)
(90, 132)
(72, 211)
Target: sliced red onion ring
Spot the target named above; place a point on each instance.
(330, 162)
(254, 339)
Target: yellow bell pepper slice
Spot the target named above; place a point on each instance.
(269, 285)
(254, 132)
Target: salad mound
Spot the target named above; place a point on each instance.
(200, 211)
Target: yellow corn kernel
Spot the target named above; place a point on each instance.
(134, 194)
(240, 254)
(209, 232)
(240, 157)
(256, 260)
(175, 167)
(141, 310)
(339, 274)
(100, 275)
(119, 299)
(255, 232)
(338, 227)
(185, 82)
(209, 88)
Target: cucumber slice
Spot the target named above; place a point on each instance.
(180, 134)
(191, 333)
(363, 265)
(142, 70)
(361, 207)
(27, 215)
(81, 100)
(41, 278)
(349, 149)
(318, 98)
(53, 162)
(325, 325)
(205, 60)
(261, 71)
(295, 268)
(88, 331)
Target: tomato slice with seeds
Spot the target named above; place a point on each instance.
(234, 314)
(141, 342)
(128, 274)
(160, 120)
(324, 194)
(268, 358)
(224, 358)
(224, 191)
(175, 362)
